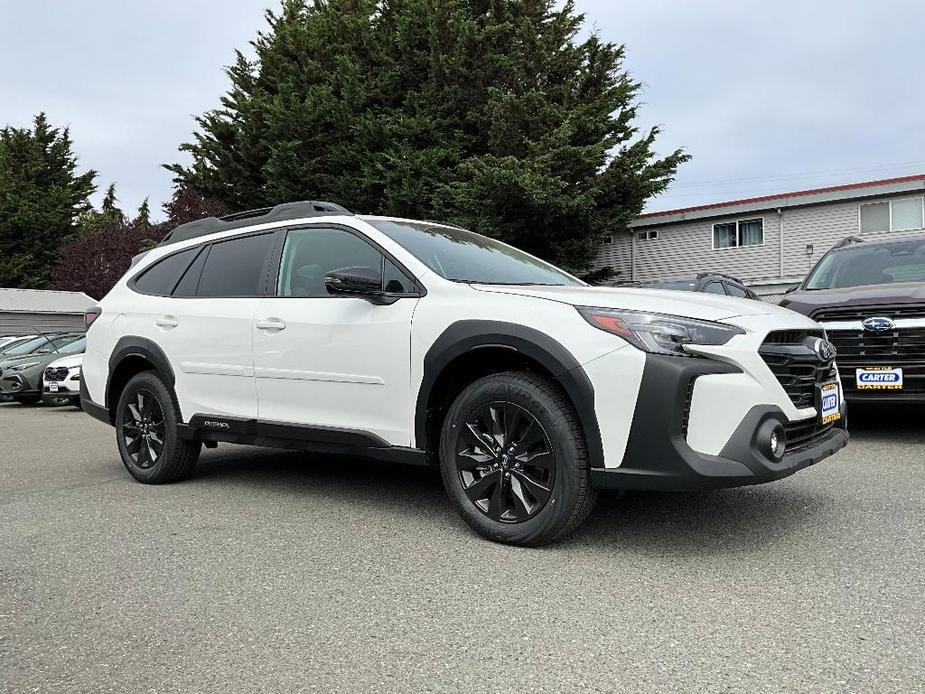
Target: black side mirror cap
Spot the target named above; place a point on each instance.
(361, 281)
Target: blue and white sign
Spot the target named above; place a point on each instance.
(828, 403)
(879, 378)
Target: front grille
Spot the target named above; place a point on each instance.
(852, 313)
(902, 347)
(860, 346)
(792, 359)
(805, 433)
(56, 374)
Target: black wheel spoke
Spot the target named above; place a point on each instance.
(132, 445)
(477, 439)
(542, 459)
(497, 426)
(522, 505)
(539, 491)
(532, 436)
(513, 421)
(142, 456)
(480, 489)
(497, 502)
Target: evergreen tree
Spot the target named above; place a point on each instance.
(109, 208)
(93, 221)
(486, 113)
(143, 218)
(41, 197)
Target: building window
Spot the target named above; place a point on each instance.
(891, 215)
(646, 235)
(744, 232)
(607, 240)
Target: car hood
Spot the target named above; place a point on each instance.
(42, 359)
(807, 301)
(670, 301)
(69, 361)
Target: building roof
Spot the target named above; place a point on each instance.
(43, 301)
(813, 196)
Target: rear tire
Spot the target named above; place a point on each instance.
(146, 421)
(514, 461)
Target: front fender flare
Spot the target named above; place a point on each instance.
(467, 335)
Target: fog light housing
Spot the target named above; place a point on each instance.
(771, 440)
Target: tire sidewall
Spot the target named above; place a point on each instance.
(150, 381)
(554, 516)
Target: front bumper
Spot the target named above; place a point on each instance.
(18, 384)
(658, 456)
(63, 392)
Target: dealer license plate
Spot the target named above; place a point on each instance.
(879, 378)
(828, 403)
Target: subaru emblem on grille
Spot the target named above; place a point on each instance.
(878, 324)
(824, 349)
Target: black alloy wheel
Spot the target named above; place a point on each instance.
(147, 422)
(144, 429)
(514, 461)
(505, 462)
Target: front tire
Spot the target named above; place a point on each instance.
(146, 432)
(514, 461)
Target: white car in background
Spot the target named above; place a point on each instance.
(61, 380)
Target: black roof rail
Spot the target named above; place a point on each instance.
(287, 210)
(702, 275)
(847, 241)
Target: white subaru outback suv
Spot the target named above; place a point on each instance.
(304, 326)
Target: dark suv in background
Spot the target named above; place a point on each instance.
(708, 282)
(870, 298)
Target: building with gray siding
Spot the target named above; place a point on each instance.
(31, 311)
(768, 242)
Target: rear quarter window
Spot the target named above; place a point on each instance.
(161, 278)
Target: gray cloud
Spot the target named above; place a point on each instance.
(766, 96)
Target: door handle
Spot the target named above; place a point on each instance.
(271, 324)
(166, 322)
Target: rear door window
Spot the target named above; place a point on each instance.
(236, 267)
(714, 288)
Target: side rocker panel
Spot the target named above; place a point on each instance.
(468, 335)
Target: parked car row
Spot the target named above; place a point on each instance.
(36, 368)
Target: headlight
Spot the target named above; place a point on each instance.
(657, 332)
(23, 367)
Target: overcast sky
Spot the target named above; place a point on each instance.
(766, 96)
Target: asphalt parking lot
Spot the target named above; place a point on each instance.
(278, 571)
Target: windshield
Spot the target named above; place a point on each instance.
(27, 347)
(43, 345)
(12, 344)
(903, 261)
(463, 256)
(75, 347)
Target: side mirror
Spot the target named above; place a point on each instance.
(365, 282)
